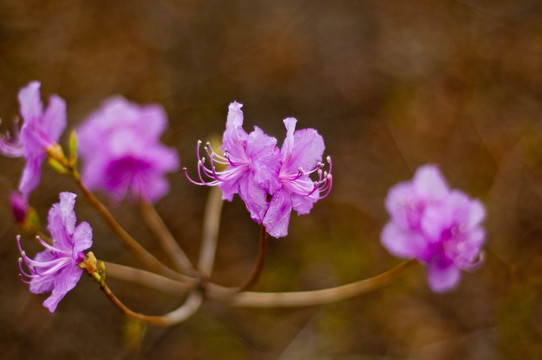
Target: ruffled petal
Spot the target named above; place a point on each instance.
(403, 243)
(30, 101)
(154, 120)
(42, 284)
(442, 278)
(436, 221)
(254, 196)
(64, 281)
(265, 165)
(234, 138)
(302, 148)
(277, 218)
(429, 183)
(403, 207)
(31, 176)
(302, 203)
(54, 118)
(82, 239)
(61, 221)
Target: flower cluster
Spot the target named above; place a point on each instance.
(271, 182)
(438, 226)
(40, 131)
(122, 153)
(55, 269)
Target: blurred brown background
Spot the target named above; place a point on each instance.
(390, 85)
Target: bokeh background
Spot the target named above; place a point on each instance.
(391, 85)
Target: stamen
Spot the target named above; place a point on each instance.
(24, 280)
(52, 249)
(20, 261)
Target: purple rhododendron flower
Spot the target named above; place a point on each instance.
(55, 269)
(270, 182)
(252, 164)
(301, 155)
(40, 130)
(438, 226)
(122, 152)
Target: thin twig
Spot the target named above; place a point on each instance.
(211, 224)
(187, 309)
(258, 267)
(306, 298)
(170, 246)
(262, 299)
(142, 254)
(147, 278)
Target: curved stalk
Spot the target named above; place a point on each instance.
(69, 168)
(146, 278)
(170, 246)
(187, 309)
(142, 254)
(211, 224)
(312, 297)
(263, 299)
(258, 267)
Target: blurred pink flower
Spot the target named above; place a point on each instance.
(122, 154)
(435, 225)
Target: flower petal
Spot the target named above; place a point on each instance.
(54, 118)
(265, 165)
(30, 101)
(442, 278)
(278, 214)
(31, 176)
(402, 242)
(301, 149)
(234, 138)
(64, 281)
(82, 239)
(254, 196)
(61, 221)
(429, 183)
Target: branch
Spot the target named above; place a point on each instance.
(97, 270)
(143, 255)
(256, 272)
(170, 246)
(232, 297)
(146, 278)
(306, 298)
(211, 224)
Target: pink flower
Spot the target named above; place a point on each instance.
(39, 131)
(55, 269)
(122, 152)
(300, 156)
(270, 182)
(252, 164)
(438, 226)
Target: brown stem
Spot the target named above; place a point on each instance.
(257, 271)
(146, 278)
(211, 224)
(263, 299)
(189, 307)
(143, 255)
(307, 298)
(169, 244)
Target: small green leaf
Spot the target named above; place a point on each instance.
(73, 147)
(58, 167)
